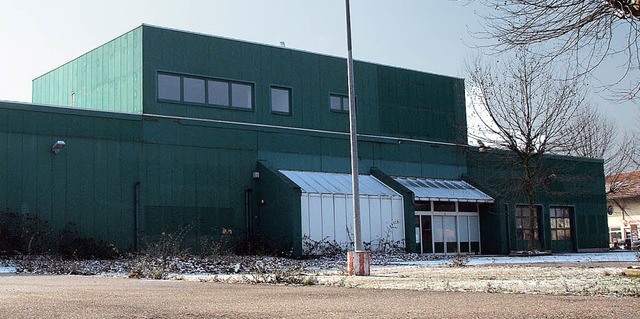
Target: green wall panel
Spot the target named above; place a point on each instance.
(578, 183)
(107, 78)
(390, 101)
(88, 185)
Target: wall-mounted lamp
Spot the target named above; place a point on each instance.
(256, 175)
(57, 147)
(481, 147)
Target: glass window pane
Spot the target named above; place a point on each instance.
(437, 229)
(450, 233)
(336, 102)
(193, 90)
(280, 99)
(241, 96)
(168, 87)
(474, 228)
(345, 103)
(444, 206)
(463, 226)
(468, 207)
(218, 93)
(423, 206)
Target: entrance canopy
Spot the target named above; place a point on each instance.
(426, 189)
(336, 183)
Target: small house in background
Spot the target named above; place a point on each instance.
(623, 200)
(165, 128)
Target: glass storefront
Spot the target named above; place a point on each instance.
(447, 227)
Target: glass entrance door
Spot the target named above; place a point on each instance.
(424, 234)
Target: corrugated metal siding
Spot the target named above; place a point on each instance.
(88, 185)
(108, 78)
(335, 183)
(391, 101)
(443, 190)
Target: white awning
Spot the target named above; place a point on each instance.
(443, 190)
(337, 183)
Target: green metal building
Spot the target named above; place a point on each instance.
(164, 128)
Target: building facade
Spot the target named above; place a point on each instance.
(164, 128)
(623, 200)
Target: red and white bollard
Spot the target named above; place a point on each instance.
(359, 263)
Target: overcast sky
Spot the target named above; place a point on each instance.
(425, 35)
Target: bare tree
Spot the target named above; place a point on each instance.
(528, 111)
(593, 135)
(584, 31)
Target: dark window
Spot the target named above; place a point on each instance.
(467, 207)
(193, 90)
(241, 96)
(168, 87)
(339, 102)
(444, 206)
(188, 89)
(218, 92)
(423, 206)
(281, 100)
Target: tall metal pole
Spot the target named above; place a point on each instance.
(354, 140)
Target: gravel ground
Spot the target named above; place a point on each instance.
(572, 274)
(41, 296)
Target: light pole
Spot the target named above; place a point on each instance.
(359, 261)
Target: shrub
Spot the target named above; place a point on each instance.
(30, 235)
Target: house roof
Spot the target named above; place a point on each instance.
(623, 185)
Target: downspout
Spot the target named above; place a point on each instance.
(508, 228)
(136, 213)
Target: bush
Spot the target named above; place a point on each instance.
(30, 235)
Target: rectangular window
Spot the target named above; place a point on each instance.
(560, 223)
(281, 100)
(241, 96)
(169, 87)
(193, 90)
(467, 207)
(339, 102)
(218, 92)
(523, 222)
(423, 206)
(444, 206)
(188, 89)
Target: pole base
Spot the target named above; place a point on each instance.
(359, 263)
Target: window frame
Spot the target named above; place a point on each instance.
(158, 75)
(184, 87)
(567, 220)
(521, 232)
(206, 79)
(344, 106)
(289, 91)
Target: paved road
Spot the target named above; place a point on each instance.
(97, 297)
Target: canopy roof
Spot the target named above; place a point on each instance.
(443, 190)
(337, 183)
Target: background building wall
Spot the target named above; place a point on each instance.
(577, 183)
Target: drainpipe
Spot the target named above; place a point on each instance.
(136, 213)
